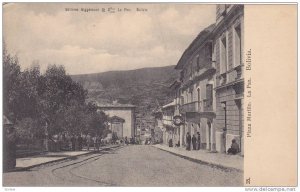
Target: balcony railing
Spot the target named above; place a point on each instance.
(190, 107)
(208, 105)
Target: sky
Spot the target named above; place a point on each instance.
(97, 41)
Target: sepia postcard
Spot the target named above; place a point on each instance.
(149, 95)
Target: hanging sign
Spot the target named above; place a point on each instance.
(177, 120)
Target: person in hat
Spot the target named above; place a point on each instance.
(188, 141)
(234, 149)
(194, 141)
(198, 140)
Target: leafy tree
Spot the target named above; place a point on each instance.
(53, 99)
(11, 84)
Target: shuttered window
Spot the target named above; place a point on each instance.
(209, 91)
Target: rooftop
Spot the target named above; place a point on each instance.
(169, 104)
(201, 38)
(115, 105)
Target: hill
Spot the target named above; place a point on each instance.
(141, 87)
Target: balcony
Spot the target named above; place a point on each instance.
(208, 105)
(239, 96)
(190, 107)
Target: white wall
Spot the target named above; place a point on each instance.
(125, 114)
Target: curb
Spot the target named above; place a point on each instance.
(57, 160)
(213, 165)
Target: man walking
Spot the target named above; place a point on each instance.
(199, 140)
(88, 141)
(194, 140)
(95, 142)
(188, 141)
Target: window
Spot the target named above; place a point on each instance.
(181, 75)
(223, 55)
(182, 100)
(199, 98)
(220, 10)
(192, 96)
(209, 91)
(192, 69)
(198, 63)
(187, 97)
(237, 45)
(208, 50)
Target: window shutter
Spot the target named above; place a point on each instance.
(209, 90)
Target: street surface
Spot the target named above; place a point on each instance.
(137, 165)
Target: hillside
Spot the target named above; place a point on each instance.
(141, 87)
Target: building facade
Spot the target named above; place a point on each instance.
(195, 95)
(122, 119)
(209, 94)
(229, 43)
(170, 131)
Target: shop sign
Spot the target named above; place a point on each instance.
(177, 120)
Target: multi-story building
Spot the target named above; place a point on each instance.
(228, 42)
(170, 131)
(195, 95)
(209, 94)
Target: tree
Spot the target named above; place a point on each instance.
(11, 84)
(58, 94)
(52, 98)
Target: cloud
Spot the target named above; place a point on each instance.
(95, 41)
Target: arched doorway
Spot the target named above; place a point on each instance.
(117, 125)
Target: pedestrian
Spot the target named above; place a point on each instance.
(73, 142)
(126, 141)
(170, 143)
(95, 142)
(194, 140)
(102, 141)
(188, 141)
(76, 143)
(88, 141)
(80, 141)
(234, 149)
(98, 140)
(199, 140)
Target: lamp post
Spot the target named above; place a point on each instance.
(225, 128)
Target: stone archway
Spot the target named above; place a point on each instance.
(117, 125)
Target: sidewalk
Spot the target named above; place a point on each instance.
(221, 160)
(48, 157)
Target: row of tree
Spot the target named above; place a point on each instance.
(49, 102)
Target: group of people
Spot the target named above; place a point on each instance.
(130, 141)
(196, 144)
(75, 142)
(194, 141)
(95, 142)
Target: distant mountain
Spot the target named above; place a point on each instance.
(141, 87)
